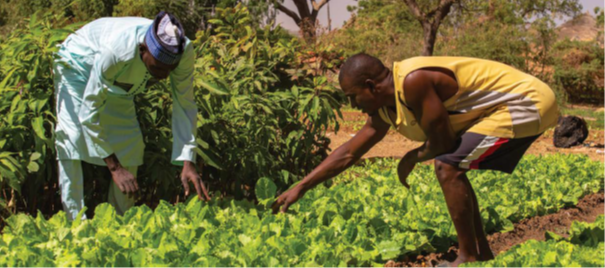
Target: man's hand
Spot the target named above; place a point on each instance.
(189, 174)
(125, 181)
(121, 176)
(405, 167)
(288, 198)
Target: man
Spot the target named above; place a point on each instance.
(97, 72)
(470, 113)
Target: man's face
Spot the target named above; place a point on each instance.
(156, 68)
(361, 97)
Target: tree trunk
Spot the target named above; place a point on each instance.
(430, 21)
(430, 35)
(306, 18)
(329, 19)
(308, 29)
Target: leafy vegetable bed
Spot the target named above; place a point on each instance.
(365, 218)
(584, 247)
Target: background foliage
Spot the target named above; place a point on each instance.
(264, 107)
(27, 155)
(521, 33)
(194, 14)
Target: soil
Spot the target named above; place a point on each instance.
(587, 210)
(395, 145)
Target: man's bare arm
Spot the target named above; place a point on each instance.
(347, 154)
(421, 95)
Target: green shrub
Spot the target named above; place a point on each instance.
(385, 29)
(27, 116)
(579, 70)
(263, 112)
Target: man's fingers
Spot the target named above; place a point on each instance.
(133, 188)
(185, 185)
(121, 187)
(276, 205)
(405, 183)
(198, 189)
(204, 190)
(285, 207)
(136, 184)
(127, 189)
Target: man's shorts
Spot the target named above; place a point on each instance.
(476, 151)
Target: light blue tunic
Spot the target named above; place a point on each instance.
(97, 74)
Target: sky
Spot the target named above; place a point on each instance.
(339, 13)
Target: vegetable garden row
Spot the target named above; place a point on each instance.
(364, 218)
(583, 248)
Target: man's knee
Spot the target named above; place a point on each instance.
(446, 172)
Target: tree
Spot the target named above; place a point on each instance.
(383, 28)
(600, 16)
(306, 18)
(193, 14)
(432, 13)
(430, 20)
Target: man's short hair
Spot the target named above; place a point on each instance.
(360, 67)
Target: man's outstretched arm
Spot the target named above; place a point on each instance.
(342, 158)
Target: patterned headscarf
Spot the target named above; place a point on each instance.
(165, 38)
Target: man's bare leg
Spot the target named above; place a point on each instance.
(458, 196)
(485, 252)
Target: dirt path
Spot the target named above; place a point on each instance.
(395, 145)
(587, 210)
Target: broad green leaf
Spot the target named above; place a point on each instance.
(212, 87)
(33, 167)
(38, 126)
(265, 189)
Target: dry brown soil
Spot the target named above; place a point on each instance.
(587, 210)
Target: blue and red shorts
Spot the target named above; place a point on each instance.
(476, 151)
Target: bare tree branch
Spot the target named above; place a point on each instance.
(443, 4)
(415, 10)
(305, 18)
(303, 8)
(288, 12)
(317, 6)
(430, 21)
(442, 11)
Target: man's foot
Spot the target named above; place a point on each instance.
(487, 256)
(484, 252)
(458, 261)
(444, 264)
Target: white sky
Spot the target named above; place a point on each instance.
(339, 13)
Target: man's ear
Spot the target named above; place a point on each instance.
(371, 84)
(142, 48)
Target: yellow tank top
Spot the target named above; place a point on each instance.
(493, 99)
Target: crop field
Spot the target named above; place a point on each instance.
(365, 218)
(582, 248)
(269, 110)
